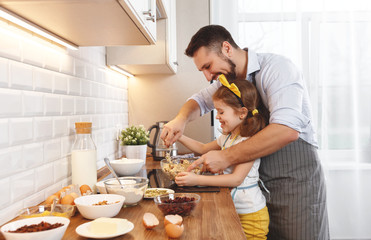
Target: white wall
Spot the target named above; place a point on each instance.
(44, 90)
(159, 97)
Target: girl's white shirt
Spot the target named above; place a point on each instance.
(249, 199)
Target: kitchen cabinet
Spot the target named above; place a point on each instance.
(160, 58)
(91, 23)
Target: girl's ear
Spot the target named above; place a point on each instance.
(243, 113)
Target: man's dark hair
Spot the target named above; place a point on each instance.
(211, 37)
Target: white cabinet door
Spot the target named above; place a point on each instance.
(160, 58)
(143, 13)
(171, 45)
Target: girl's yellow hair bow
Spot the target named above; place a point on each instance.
(223, 80)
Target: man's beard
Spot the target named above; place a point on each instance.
(231, 75)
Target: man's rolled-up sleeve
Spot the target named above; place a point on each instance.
(204, 97)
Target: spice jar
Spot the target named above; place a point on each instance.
(84, 156)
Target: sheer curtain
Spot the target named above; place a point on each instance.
(330, 41)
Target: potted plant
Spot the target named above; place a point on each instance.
(134, 139)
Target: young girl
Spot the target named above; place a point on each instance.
(241, 114)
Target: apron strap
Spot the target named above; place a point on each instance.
(265, 189)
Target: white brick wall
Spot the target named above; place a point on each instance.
(44, 90)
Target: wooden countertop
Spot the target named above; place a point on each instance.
(213, 218)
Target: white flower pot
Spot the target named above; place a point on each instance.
(136, 151)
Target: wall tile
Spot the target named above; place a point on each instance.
(44, 176)
(4, 81)
(22, 185)
(67, 143)
(34, 199)
(99, 106)
(67, 64)
(80, 68)
(52, 150)
(33, 103)
(61, 169)
(32, 155)
(10, 212)
(43, 80)
(85, 88)
(74, 86)
(60, 83)
(32, 53)
(43, 128)
(13, 100)
(20, 130)
(4, 130)
(9, 43)
(72, 126)
(20, 76)
(11, 161)
(90, 74)
(53, 60)
(90, 102)
(68, 105)
(80, 105)
(52, 104)
(85, 118)
(5, 192)
(60, 126)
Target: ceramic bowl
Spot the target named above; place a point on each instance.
(177, 203)
(127, 167)
(60, 210)
(177, 165)
(88, 208)
(52, 234)
(133, 188)
(101, 187)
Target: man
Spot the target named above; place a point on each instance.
(290, 167)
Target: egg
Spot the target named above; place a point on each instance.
(59, 193)
(84, 189)
(68, 200)
(174, 219)
(150, 220)
(173, 230)
(49, 200)
(74, 195)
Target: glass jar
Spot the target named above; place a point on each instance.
(84, 156)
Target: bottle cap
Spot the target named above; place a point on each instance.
(83, 127)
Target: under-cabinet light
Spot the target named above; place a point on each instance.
(122, 71)
(34, 28)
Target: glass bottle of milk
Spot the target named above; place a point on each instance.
(84, 156)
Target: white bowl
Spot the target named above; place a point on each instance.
(53, 234)
(101, 187)
(86, 207)
(127, 167)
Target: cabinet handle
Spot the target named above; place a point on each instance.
(152, 18)
(149, 13)
(175, 63)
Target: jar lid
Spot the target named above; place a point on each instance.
(83, 127)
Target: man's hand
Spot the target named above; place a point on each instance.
(172, 131)
(213, 161)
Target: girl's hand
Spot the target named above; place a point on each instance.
(186, 179)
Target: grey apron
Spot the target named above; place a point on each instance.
(297, 201)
